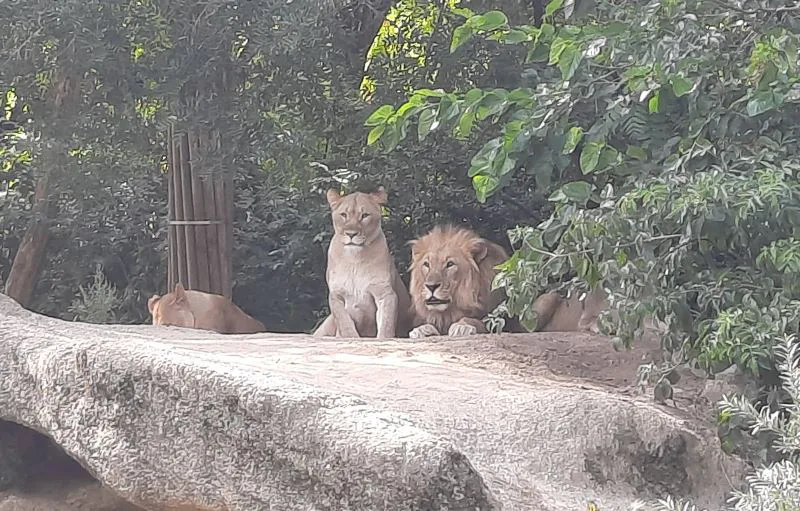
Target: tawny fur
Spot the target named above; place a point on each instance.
(558, 314)
(461, 264)
(366, 295)
(204, 311)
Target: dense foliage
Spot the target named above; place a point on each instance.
(289, 114)
(665, 133)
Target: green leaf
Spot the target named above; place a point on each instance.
(483, 159)
(552, 7)
(574, 136)
(569, 61)
(515, 36)
(557, 47)
(427, 123)
(763, 101)
(576, 191)
(484, 186)
(375, 133)
(461, 35)
(488, 21)
(636, 152)
(680, 85)
(654, 103)
(492, 104)
(379, 116)
(590, 155)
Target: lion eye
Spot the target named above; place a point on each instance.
(426, 265)
(449, 264)
(364, 215)
(344, 215)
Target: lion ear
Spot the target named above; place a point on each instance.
(380, 196)
(180, 293)
(334, 197)
(479, 250)
(151, 303)
(413, 245)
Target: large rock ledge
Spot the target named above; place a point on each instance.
(174, 419)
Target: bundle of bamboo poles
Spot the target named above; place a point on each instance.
(200, 219)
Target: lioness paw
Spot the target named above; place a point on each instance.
(423, 331)
(461, 330)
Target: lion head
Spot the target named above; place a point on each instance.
(452, 269)
(172, 309)
(357, 217)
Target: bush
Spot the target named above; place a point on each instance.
(774, 487)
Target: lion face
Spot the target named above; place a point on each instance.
(356, 217)
(447, 272)
(171, 309)
(441, 274)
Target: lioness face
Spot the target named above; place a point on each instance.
(171, 309)
(356, 217)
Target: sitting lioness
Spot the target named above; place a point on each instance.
(452, 269)
(366, 296)
(204, 311)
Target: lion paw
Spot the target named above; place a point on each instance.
(423, 331)
(461, 330)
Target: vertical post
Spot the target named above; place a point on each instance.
(196, 147)
(214, 230)
(172, 253)
(180, 230)
(188, 212)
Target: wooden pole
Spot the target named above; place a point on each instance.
(214, 230)
(201, 279)
(180, 230)
(188, 212)
(172, 253)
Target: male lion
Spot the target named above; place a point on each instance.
(204, 311)
(452, 269)
(366, 296)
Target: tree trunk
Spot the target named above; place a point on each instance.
(62, 100)
(31, 254)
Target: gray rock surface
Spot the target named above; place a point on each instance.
(180, 419)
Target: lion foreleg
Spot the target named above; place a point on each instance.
(345, 326)
(386, 316)
(466, 326)
(327, 328)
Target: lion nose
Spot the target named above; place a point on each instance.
(351, 234)
(433, 287)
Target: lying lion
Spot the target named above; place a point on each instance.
(204, 311)
(558, 314)
(366, 296)
(452, 269)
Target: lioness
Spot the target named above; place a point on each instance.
(366, 296)
(452, 269)
(558, 314)
(204, 311)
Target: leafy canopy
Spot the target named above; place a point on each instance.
(665, 135)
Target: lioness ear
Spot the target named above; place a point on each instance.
(151, 302)
(180, 292)
(479, 249)
(333, 196)
(413, 245)
(380, 196)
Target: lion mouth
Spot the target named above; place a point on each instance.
(436, 301)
